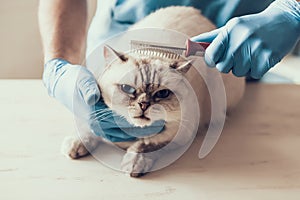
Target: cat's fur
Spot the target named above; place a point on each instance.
(149, 75)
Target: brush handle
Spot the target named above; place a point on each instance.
(195, 48)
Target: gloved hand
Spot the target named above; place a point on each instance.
(252, 44)
(76, 88)
(106, 123)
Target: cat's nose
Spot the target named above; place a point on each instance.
(144, 105)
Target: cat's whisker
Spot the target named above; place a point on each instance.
(104, 116)
(100, 113)
(121, 117)
(101, 116)
(100, 110)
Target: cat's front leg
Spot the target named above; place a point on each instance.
(74, 147)
(82, 143)
(137, 164)
(140, 158)
(142, 155)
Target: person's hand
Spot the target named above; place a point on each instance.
(106, 123)
(76, 88)
(67, 83)
(252, 44)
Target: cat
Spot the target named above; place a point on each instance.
(137, 86)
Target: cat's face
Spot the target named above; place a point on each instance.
(143, 89)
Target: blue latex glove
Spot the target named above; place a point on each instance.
(252, 44)
(116, 129)
(76, 88)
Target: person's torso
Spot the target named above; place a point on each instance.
(113, 17)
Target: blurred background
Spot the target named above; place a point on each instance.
(20, 43)
(21, 49)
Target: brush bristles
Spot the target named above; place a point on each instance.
(157, 52)
(156, 49)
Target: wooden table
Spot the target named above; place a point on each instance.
(257, 156)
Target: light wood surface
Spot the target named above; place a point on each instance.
(257, 156)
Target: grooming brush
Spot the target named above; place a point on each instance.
(190, 49)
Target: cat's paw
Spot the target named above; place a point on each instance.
(73, 147)
(136, 164)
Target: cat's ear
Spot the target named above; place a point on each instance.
(182, 67)
(110, 54)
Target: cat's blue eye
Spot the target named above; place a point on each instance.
(162, 93)
(127, 89)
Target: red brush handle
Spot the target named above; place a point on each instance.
(192, 48)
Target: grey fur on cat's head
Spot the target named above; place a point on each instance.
(144, 88)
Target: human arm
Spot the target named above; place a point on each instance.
(63, 27)
(252, 44)
(63, 30)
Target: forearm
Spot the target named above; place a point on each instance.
(63, 25)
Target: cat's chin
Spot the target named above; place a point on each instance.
(141, 121)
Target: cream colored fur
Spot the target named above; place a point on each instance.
(189, 21)
(186, 20)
